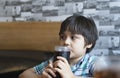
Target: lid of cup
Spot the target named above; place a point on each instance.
(62, 48)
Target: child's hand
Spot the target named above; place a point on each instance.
(63, 68)
(49, 71)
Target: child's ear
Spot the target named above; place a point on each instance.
(89, 45)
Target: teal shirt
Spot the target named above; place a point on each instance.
(84, 67)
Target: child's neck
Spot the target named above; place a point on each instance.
(73, 61)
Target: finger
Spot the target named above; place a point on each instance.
(62, 59)
(50, 65)
(50, 61)
(58, 70)
(59, 64)
(46, 75)
(50, 71)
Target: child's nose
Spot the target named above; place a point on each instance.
(67, 42)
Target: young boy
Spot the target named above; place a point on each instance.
(79, 34)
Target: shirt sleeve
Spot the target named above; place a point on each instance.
(40, 67)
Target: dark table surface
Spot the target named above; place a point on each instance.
(13, 62)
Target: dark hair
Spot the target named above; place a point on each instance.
(77, 24)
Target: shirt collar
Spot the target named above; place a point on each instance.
(85, 57)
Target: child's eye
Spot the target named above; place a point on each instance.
(62, 37)
(73, 37)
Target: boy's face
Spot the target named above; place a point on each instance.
(75, 42)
